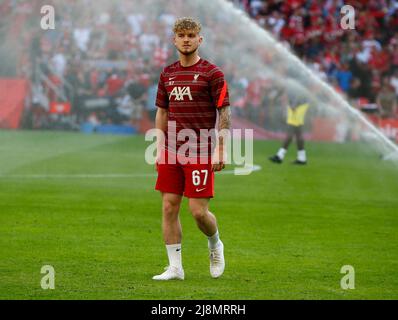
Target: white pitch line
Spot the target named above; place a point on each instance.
(102, 176)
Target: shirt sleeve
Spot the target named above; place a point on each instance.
(162, 99)
(219, 89)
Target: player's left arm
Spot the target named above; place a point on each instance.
(224, 125)
(220, 96)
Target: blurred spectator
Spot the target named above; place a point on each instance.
(82, 90)
(93, 119)
(394, 81)
(380, 60)
(355, 92)
(151, 99)
(363, 72)
(81, 36)
(387, 100)
(59, 62)
(114, 83)
(276, 23)
(344, 76)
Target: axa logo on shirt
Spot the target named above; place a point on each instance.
(180, 93)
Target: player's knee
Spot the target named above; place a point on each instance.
(199, 213)
(170, 209)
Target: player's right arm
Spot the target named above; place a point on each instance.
(162, 116)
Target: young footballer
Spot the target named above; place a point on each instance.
(191, 92)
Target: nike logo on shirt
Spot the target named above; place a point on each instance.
(199, 190)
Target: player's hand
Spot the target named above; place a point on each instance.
(218, 166)
(218, 160)
(157, 161)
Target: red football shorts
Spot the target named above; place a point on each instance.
(190, 180)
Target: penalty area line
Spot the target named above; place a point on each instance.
(240, 171)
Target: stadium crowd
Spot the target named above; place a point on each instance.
(105, 63)
(361, 63)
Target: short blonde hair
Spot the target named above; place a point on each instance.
(187, 23)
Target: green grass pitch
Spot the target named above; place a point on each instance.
(287, 230)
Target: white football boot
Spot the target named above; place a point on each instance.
(171, 273)
(217, 262)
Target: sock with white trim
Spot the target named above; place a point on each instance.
(174, 254)
(214, 240)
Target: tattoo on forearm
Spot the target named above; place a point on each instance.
(225, 118)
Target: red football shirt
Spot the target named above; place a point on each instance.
(192, 95)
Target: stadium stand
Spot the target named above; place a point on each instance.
(101, 67)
